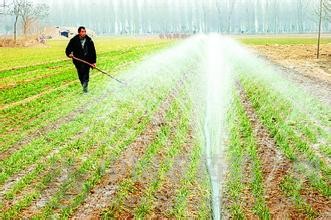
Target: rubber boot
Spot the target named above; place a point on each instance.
(85, 85)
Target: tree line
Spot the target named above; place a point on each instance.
(174, 16)
(190, 16)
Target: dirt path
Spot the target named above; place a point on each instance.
(274, 166)
(101, 196)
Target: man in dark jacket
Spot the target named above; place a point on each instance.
(81, 46)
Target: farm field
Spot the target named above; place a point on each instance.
(296, 57)
(204, 127)
(297, 54)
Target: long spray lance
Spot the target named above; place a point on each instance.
(100, 70)
(121, 82)
(104, 72)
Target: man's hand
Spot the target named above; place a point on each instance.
(94, 65)
(71, 55)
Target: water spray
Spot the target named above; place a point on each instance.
(210, 82)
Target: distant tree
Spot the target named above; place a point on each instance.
(3, 7)
(7, 28)
(31, 14)
(300, 15)
(3, 12)
(28, 12)
(231, 9)
(327, 9)
(172, 16)
(324, 11)
(16, 11)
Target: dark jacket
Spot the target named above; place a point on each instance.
(87, 53)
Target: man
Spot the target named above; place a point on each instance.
(81, 46)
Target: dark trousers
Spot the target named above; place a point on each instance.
(83, 71)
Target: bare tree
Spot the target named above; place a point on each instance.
(29, 14)
(327, 9)
(324, 12)
(16, 11)
(300, 15)
(3, 7)
(230, 14)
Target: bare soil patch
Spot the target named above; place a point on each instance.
(299, 64)
(301, 58)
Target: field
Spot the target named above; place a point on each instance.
(196, 133)
(296, 53)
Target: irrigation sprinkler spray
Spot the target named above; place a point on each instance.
(100, 70)
(207, 69)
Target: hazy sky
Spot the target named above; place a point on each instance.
(140, 1)
(154, 2)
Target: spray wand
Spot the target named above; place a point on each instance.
(100, 70)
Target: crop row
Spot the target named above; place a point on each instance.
(245, 169)
(169, 141)
(291, 136)
(107, 144)
(17, 121)
(46, 61)
(62, 76)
